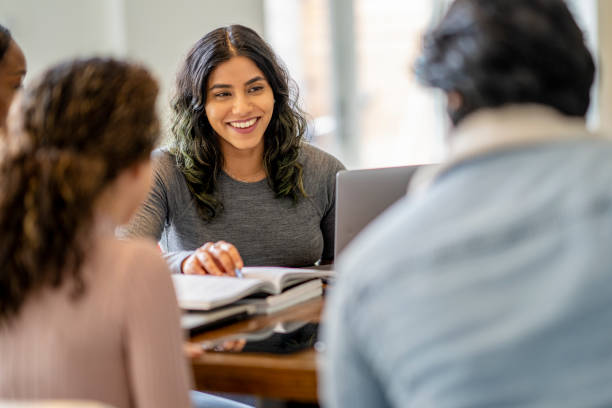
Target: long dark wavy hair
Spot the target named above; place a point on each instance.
(497, 52)
(195, 144)
(83, 123)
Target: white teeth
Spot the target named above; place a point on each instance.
(243, 125)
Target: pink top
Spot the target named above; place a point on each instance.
(120, 343)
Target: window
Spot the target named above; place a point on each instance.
(352, 60)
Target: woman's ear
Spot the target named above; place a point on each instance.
(454, 101)
(455, 106)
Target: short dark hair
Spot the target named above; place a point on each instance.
(5, 40)
(194, 142)
(497, 52)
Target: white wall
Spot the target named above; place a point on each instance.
(155, 32)
(49, 31)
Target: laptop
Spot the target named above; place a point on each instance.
(361, 195)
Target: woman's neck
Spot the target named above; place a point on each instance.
(247, 167)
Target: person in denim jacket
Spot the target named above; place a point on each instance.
(490, 284)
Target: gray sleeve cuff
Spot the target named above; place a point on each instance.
(174, 259)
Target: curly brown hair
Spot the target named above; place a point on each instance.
(84, 122)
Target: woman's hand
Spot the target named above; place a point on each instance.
(220, 258)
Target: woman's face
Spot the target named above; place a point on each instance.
(239, 105)
(12, 71)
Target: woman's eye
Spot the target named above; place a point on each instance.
(255, 89)
(222, 94)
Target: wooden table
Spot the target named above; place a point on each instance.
(291, 377)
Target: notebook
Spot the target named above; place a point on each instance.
(361, 195)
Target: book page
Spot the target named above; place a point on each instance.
(283, 277)
(205, 292)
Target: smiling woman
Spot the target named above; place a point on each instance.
(238, 185)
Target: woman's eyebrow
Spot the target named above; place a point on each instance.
(257, 78)
(215, 86)
(249, 82)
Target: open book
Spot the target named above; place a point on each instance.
(206, 292)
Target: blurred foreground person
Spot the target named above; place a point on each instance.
(82, 314)
(491, 286)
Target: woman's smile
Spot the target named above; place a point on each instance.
(244, 126)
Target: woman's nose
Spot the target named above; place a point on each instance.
(242, 105)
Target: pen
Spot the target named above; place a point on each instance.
(238, 273)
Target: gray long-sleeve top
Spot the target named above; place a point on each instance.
(265, 230)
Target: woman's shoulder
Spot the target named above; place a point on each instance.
(136, 256)
(164, 158)
(166, 168)
(117, 266)
(316, 161)
(138, 245)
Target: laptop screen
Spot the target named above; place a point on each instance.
(361, 195)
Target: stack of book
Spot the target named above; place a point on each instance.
(212, 300)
